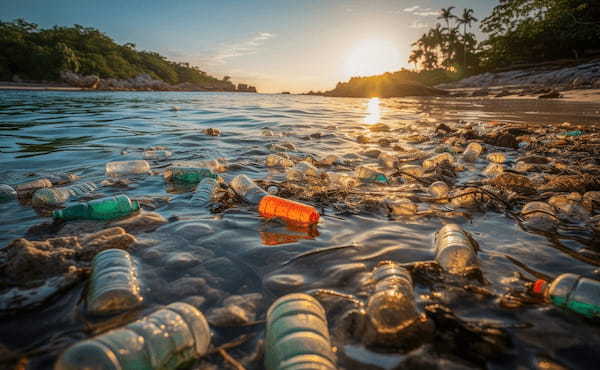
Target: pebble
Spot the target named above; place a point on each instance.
(282, 283)
(180, 260)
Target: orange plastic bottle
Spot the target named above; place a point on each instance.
(272, 206)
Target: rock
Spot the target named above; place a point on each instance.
(229, 316)
(180, 260)
(196, 301)
(554, 94)
(190, 286)
(504, 140)
(596, 84)
(89, 82)
(283, 283)
(115, 237)
(481, 92)
(224, 268)
(565, 183)
(443, 127)
(534, 159)
(362, 139)
(514, 182)
(141, 222)
(194, 230)
(578, 82)
(212, 131)
(371, 153)
(591, 200)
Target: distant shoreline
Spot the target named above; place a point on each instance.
(30, 86)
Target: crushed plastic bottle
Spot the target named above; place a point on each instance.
(99, 209)
(204, 192)
(31, 186)
(297, 335)
(410, 169)
(127, 168)
(114, 285)
(573, 292)
(402, 207)
(274, 160)
(189, 175)
(472, 152)
(7, 193)
(157, 154)
(387, 160)
(439, 190)
(539, 215)
(454, 250)
(496, 157)
(166, 339)
(341, 181)
(369, 174)
(52, 197)
(302, 171)
(437, 160)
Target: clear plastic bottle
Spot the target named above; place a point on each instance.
(204, 192)
(402, 207)
(31, 186)
(127, 168)
(341, 181)
(7, 193)
(472, 152)
(496, 157)
(307, 169)
(439, 190)
(114, 285)
(466, 197)
(454, 250)
(56, 196)
(166, 339)
(369, 174)
(62, 178)
(247, 189)
(387, 160)
(573, 292)
(493, 169)
(274, 160)
(189, 175)
(297, 335)
(157, 154)
(437, 160)
(539, 215)
(411, 169)
(99, 209)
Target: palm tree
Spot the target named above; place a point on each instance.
(446, 15)
(466, 20)
(415, 56)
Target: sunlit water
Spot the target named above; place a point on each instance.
(53, 132)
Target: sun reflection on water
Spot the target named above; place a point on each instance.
(373, 112)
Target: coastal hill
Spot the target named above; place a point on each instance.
(85, 57)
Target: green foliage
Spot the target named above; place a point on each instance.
(42, 54)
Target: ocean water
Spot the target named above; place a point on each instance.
(44, 133)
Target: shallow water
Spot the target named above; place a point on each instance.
(43, 133)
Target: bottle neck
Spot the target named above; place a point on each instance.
(539, 287)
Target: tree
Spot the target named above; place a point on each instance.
(446, 15)
(466, 20)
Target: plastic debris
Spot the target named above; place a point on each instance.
(205, 192)
(454, 250)
(369, 174)
(52, 197)
(127, 168)
(189, 175)
(539, 215)
(274, 160)
(439, 189)
(497, 157)
(411, 173)
(573, 292)
(472, 152)
(31, 186)
(7, 193)
(436, 160)
(100, 209)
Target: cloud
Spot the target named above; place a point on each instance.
(221, 54)
(417, 24)
(421, 12)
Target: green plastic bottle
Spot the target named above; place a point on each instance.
(297, 335)
(190, 175)
(573, 292)
(99, 209)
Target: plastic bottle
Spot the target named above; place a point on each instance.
(297, 335)
(387, 160)
(493, 169)
(391, 309)
(301, 171)
(454, 250)
(466, 198)
(247, 189)
(437, 160)
(57, 196)
(496, 157)
(204, 192)
(165, 339)
(99, 209)
(472, 152)
(411, 169)
(402, 207)
(62, 178)
(114, 285)
(573, 292)
(127, 168)
(190, 175)
(439, 190)
(157, 154)
(369, 174)
(341, 181)
(539, 215)
(274, 160)
(31, 186)
(7, 193)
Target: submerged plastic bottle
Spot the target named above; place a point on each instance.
(31, 186)
(302, 170)
(539, 215)
(58, 196)
(297, 335)
(99, 209)
(127, 168)
(273, 206)
(190, 175)
(369, 174)
(157, 154)
(472, 152)
(114, 285)
(274, 160)
(341, 181)
(496, 157)
(437, 160)
(410, 169)
(7, 193)
(574, 292)
(439, 190)
(387, 160)
(165, 339)
(493, 169)
(402, 207)
(454, 250)
(62, 178)
(466, 197)
(204, 192)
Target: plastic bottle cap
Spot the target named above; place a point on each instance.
(539, 286)
(273, 206)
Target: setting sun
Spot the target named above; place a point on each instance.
(372, 57)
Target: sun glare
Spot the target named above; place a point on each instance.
(373, 112)
(372, 57)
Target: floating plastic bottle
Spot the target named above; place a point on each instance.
(387, 160)
(204, 192)
(189, 175)
(127, 168)
(437, 160)
(497, 157)
(302, 171)
(493, 169)
(330, 159)
(114, 285)
(454, 250)
(7, 193)
(573, 292)
(539, 215)
(472, 152)
(99, 209)
(297, 335)
(247, 189)
(341, 181)
(466, 198)
(369, 174)
(570, 207)
(31, 186)
(166, 339)
(402, 207)
(439, 190)
(412, 172)
(157, 154)
(274, 160)
(56, 196)
(62, 178)
(391, 309)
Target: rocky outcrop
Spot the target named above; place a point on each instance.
(73, 79)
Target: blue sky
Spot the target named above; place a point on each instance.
(293, 45)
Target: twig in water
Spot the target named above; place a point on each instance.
(230, 360)
(315, 251)
(520, 264)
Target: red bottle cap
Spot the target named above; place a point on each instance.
(539, 286)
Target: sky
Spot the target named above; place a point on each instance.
(276, 45)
